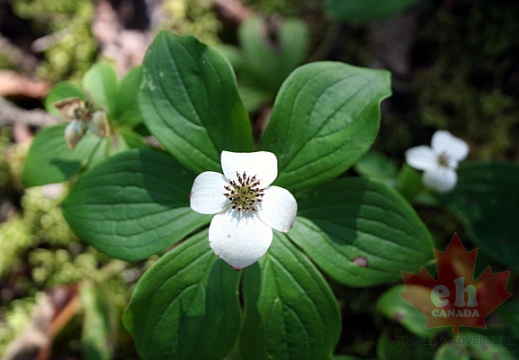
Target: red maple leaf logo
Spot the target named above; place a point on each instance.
(455, 299)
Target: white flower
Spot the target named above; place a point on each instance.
(98, 125)
(82, 119)
(247, 207)
(440, 161)
(74, 132)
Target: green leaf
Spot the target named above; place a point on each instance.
(395, 308)
(132, 139)
(290, 312)
(360, 232)
(270, 62)
(361, 11)
(254, 98)
(50, 161)
(60, 91)
(106, 147)
(251, 93)
(452, 351)
(294, 42)
(376, 166)
(233, 54)
(186, 305)
(133, 205)
(190, 102)
(486, 200)
(127, 106)
(409, 182)
(509, 314)
(98, 335)
(325, 117)
(100, 82)
(394, 347)
(489, 344)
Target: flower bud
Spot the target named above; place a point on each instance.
(99, 124)
(74, 132)
(70, 108)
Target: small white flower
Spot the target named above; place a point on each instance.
(440, 161)
(98, 125)
(74, 132)
(82, 118)
(247, 207)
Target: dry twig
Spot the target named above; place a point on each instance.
(232, 11)
(15, 55)
(12, 83)
(10, 115)
(126, 47)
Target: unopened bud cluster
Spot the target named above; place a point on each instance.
(83, 118)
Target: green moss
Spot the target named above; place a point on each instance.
(5, 168)
(280, 7)
(191, 17)
(463, 81)
(63, 266)
(15, 316)
(6, 63)
(43, 216)
(44, 10)
(466, 89)
(40, 234)
(15, 240)
(15, 235)
(41, 222)
(38, 238)
(71, 48)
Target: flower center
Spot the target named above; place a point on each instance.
(443, 160)
(245, 193)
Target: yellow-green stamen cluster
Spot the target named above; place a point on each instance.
(245, 193)
(84, 113)
(443, 160)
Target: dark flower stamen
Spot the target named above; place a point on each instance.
(245, 193)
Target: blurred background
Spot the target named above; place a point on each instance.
(454, 65)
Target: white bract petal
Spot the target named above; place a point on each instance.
(262, 164)
(74, 132)
(99, 124)
(278, 208)
(441, 180)
(239, 239)
(443, 142)
(207, 194)
(421, 158)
